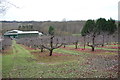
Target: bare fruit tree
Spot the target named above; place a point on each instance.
(51, 45)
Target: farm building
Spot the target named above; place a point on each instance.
(21, 34)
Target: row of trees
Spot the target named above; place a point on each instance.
(50, 42)
(100, 27)
(53, 42)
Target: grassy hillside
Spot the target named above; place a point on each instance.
(64, 63)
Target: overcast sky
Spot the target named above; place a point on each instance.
(57, 10)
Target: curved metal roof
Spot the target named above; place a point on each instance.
(15, 32)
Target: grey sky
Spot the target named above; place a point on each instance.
(57, 10)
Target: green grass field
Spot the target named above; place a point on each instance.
(64, 63)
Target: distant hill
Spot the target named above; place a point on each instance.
(69, 27)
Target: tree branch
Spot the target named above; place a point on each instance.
(57, 46)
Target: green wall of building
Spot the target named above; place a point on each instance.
(23, 35)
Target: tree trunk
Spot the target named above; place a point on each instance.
(51, 52)
(51, 44)
(84, 42)
(103, 41)
(41, 49)
(76, 46)
(76, 43)
(93, 43)
(93, 48)
(93, 40)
